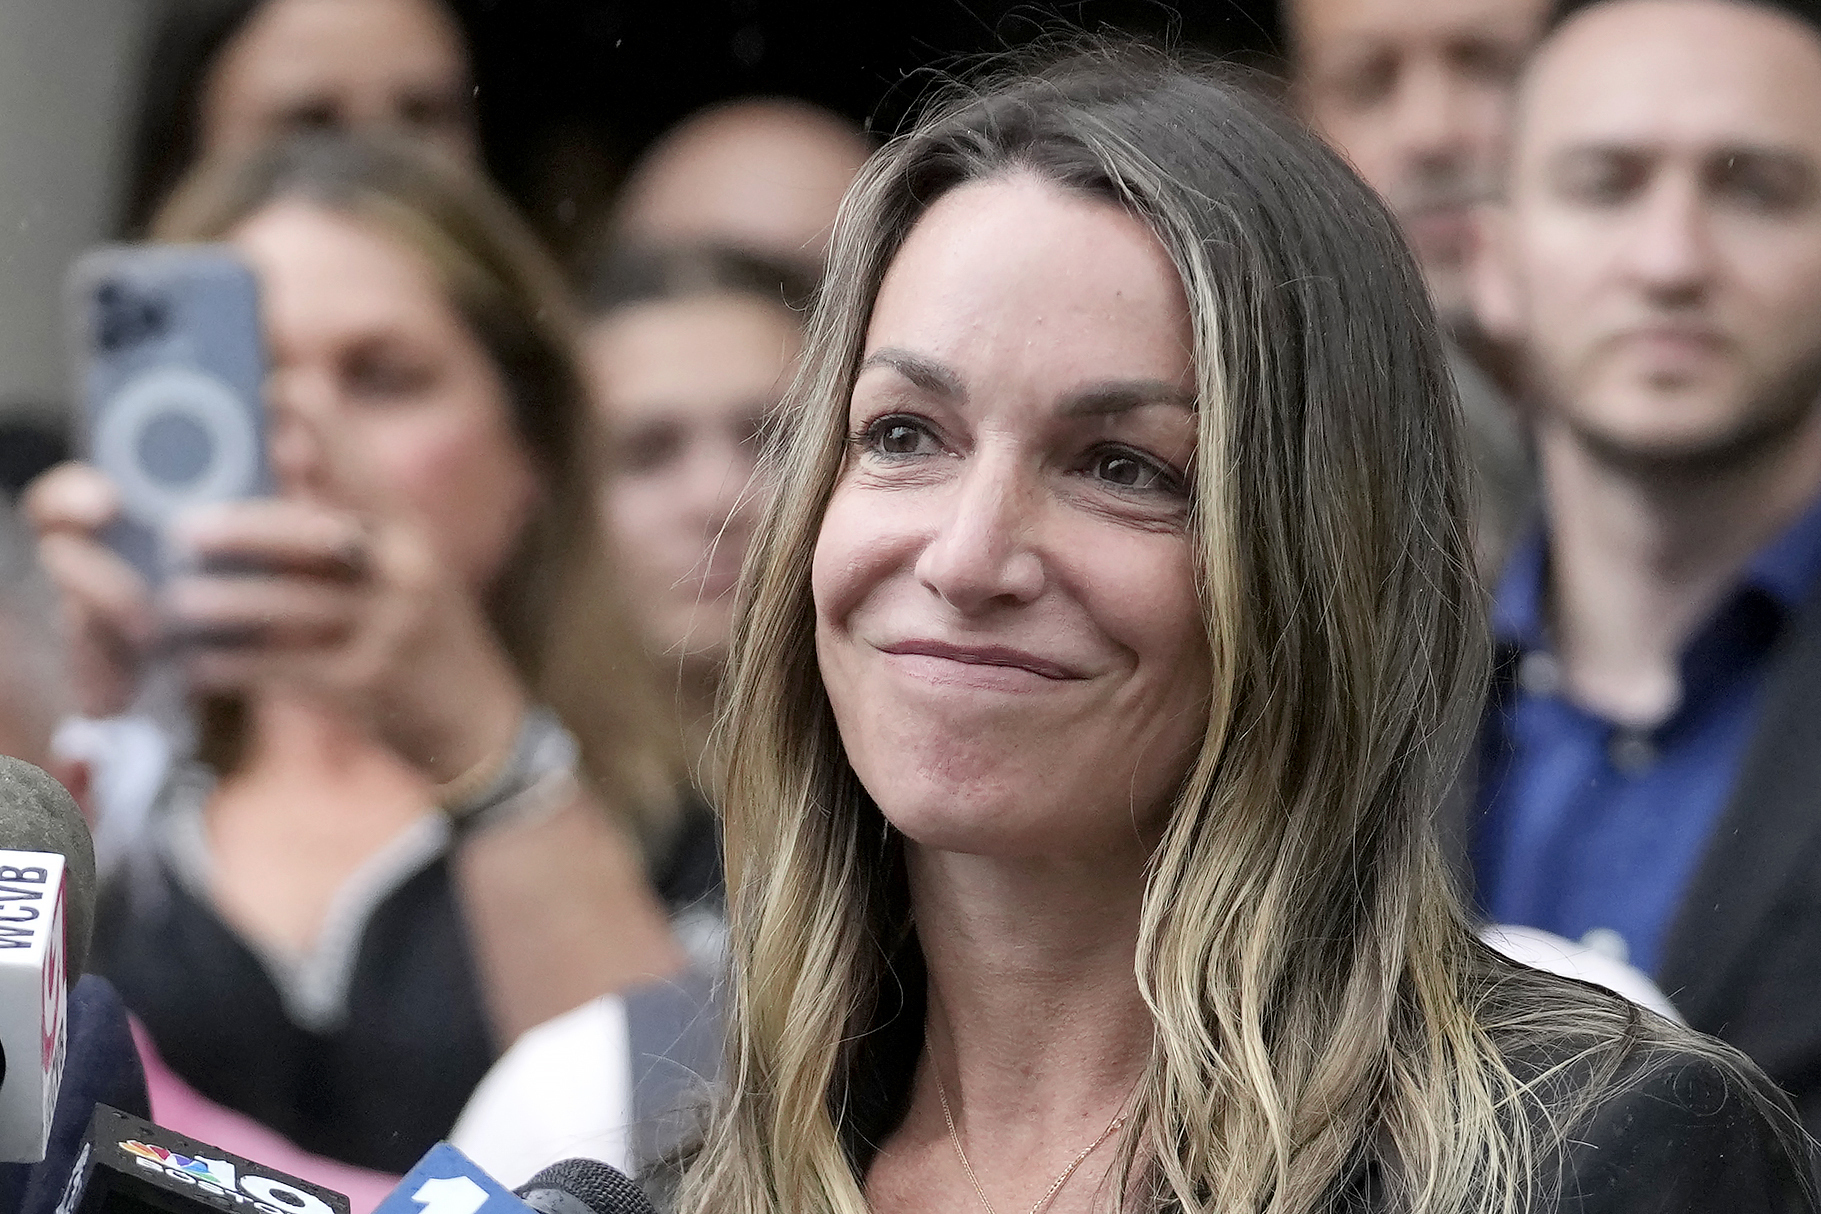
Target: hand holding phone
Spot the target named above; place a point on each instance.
(110, 621)
(353, 609)
(170, 541)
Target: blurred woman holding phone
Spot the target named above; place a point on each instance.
(1108, 644)
(430, 779)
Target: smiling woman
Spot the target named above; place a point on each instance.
(1006, 601)
(1109, 643)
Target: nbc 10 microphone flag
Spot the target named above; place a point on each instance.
(128, 1165)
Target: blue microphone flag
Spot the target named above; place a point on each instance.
(445, 1181)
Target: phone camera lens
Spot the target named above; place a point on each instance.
(124, 318)
(175, 449)
(153, 319)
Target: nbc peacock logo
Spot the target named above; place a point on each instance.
(216, 1171)
(219, 1177)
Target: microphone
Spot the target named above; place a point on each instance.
(47, 908)
(445, 1181)
(130, 1166)
(583, 1186)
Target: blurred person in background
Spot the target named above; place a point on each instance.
(690, 349)
(1417, 94)
(34, 685)
(430, 759)
(108, 1059)
(761, 174)
(100, 1063)
(1647, 777)
(223, 76)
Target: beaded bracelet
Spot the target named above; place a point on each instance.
(542, 751)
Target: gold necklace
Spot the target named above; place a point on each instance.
(948, 1119)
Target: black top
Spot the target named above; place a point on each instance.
(1685, 1137)
(376, 1090)
(1683, 1134)
(381, 1081)
(1689, 1139)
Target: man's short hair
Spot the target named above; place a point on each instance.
(1808, 12)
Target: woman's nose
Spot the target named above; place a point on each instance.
(296, 412)
(981, 555)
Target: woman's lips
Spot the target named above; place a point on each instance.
(982, 655)
(1671, 342)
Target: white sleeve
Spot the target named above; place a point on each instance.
(563, 1090)
(1559, 955)
(129, 758)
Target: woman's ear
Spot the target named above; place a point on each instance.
(1491, 282)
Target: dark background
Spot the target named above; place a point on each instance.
(572, 90)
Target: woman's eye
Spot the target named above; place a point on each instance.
(899, 436)
(655, 447)
(382, 373)
(314, 115)
(1129, 470)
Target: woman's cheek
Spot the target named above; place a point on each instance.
(847, 556)
(467, 483)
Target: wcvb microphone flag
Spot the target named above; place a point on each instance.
(33, 1000)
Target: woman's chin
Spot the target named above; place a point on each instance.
(988, 816)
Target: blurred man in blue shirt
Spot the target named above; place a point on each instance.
(1649, 779)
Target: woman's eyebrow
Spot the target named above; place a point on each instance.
(926, 373)
(1124, 395)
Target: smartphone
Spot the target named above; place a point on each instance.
(170, 366)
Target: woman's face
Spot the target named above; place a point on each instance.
(1006, 611)
(345, 65)
(684, 386)
(381, 397)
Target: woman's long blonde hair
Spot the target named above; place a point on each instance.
(1320, 1003)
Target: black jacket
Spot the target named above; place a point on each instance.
(1687, 1139)
(1682, 1133)
(1742, 955)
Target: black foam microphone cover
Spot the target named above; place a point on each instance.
(583, 1186)
(38, 814)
